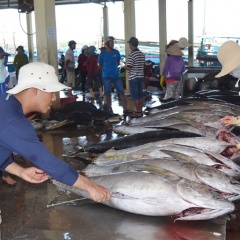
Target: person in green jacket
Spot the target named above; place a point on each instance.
(20, 59)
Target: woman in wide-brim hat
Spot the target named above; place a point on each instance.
(172, 72)
(229, 57)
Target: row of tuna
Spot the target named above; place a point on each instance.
(189, 170)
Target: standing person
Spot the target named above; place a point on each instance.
(135, 66)
(37, 81)
(69, 66)
(5, 56)
(229, 57)
(20, 59)
(93, 72)
(108, 60)
(4, 80)
(172, 72)
(182, 43)
(82, 66)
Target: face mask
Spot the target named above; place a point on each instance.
(236, 72)
(1, 62)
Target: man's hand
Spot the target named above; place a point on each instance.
(30, 174)
(33, 175)
(96, 192)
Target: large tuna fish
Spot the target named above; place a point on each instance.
(215, 179)
(160, 195)
(189, 154)
(136, 140)
(167, 112)
(203, 143)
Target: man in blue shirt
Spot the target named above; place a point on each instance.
(35, 92)
(108, 60)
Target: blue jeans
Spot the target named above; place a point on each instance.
(107, 84)
(136, 88)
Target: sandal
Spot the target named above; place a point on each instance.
(9, 181)
(136, 115)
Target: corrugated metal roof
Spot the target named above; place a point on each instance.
(5, 4)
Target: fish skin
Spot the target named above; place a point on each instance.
(126, 129)
(166, 112)
(119, 156)
(157, 195)
(136, 140)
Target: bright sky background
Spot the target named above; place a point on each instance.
(83, 22)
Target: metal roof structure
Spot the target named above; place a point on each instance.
(6, 4)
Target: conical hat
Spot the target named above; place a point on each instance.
(174, 50)
(229, 57)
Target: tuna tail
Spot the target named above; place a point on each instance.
(65, 188)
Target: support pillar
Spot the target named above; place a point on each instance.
(45, 22)
(190, 33)
(162, 32)
(130, 29)
(105, 22)
(30, 36)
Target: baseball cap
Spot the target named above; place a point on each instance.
(109, 38)
(71, 42)
(133, 41)
(38, 75)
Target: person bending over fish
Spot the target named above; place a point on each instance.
(35, 92)
(229, 57)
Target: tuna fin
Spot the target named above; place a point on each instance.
(156, 170)
(182, 157)
(207, 214)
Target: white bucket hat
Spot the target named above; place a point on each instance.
(229, 57)
(85, 47)
(38, 75)
(183, 43)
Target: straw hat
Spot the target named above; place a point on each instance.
(38, 75)
(174, 50)
(229, 57)
(183, 43)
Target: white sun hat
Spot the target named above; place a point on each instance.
(183, 43)
(229, 57)
(38, 75)
(85, 47)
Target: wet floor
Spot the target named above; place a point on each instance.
(42, 212)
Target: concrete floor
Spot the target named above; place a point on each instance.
(38, 211)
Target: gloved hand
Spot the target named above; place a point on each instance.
(162, 80)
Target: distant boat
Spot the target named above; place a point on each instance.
(207, 55)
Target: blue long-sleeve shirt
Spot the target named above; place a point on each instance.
(18, 135)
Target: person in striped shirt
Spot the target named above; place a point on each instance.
(135, 66)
